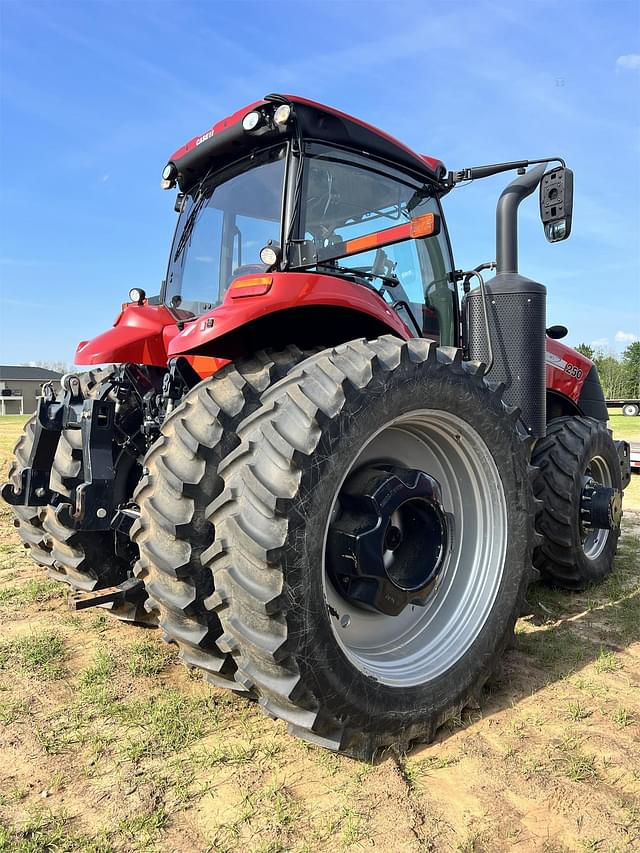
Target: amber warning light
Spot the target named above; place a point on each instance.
(422, 226)
(250, 286)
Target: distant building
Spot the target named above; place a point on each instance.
(26, 382)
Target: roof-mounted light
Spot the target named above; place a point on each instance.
(169, 175)
(137, 295)
(251, 120)
(282, 115)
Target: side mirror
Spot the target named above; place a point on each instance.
(557, 332)
(556, 203)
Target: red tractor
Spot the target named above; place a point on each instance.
(327, 475)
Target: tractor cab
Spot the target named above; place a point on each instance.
(291, 186)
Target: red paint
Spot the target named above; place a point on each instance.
(147, 334)
(435, 165)
(223, 124)
(140, 334)
(289, 290)
(557, 377)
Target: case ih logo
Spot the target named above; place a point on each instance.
(204, 137)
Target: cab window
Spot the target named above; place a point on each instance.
(344, 197)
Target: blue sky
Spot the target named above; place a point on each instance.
(94, 96)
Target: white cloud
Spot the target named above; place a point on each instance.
(625, 337)
(600, 343)
(630, 61)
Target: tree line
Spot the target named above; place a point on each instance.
(619, 375)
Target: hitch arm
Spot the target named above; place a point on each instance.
(34, 479)
(94, 498)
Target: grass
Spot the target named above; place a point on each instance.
(623, 426)
(33, 591)
(607, 662)
(622, 717)
(576, 764)
(41, 654)
(142, 830)
(555, 648)
(576, 711)
(45, 831)
(149, 657)
(168, 723)
(100, 670)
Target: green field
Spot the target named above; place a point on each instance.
(623, 427)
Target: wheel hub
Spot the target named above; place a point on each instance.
(600, 506)
(387, 547)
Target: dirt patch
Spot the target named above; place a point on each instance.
(108, 744)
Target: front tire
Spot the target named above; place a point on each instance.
(630, 410)
(342, 676)
(572, 557)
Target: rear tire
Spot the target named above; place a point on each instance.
(570, 557)
(630, 410)
(180, 480)
(275, 601)
(28, 519)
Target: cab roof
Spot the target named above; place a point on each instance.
(227, 140)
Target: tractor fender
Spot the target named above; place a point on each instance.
(300, 308)
(140, 334)
(567, 370)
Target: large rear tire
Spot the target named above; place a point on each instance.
(28, 519)
(574, 448)
(342, 676)
(180, 480)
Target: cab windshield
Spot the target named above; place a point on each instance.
(224, 223)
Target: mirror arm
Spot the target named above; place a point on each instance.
(507, 218)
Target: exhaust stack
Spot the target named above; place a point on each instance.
(516, 309)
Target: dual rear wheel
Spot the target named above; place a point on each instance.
(253, 538)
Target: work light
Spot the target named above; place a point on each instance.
(251, 120)
(270, 254)
(282, 114)
(169, 174)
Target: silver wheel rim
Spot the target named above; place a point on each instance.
(595, 539)
(422, 643)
